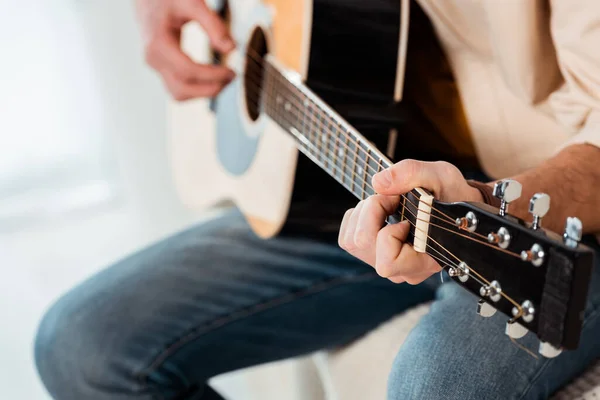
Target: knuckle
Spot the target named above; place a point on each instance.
(384, 270)
(361, 239)
(414, 281)
(396, 279)
(411, 167)
(446, 168)
(186, 71)
(152, 50)
(349, 245)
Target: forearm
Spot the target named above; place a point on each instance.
(572, 179)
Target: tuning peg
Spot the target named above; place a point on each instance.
(539, 205)
(527, 313)
(501, 238)
(535, 255)
(573, 232)
(493, 291)
(461, 272)
(515, 330)
(485, 309)
(507, 191)
(549, 351)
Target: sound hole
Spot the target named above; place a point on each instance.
(253, 82)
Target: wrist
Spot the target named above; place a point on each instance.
(485, 192)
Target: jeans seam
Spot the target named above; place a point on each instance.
(237, 315)
(593, 314)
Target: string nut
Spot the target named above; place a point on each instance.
(493, 291)
(468, 222)
(485, 309)
(461, 272)
(501, 238)
(535, 255)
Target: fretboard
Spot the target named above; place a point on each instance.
(322, 135)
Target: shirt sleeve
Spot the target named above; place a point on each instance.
(575, 29)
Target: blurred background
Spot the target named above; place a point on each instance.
(84, 166)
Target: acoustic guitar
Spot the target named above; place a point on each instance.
(248, 155)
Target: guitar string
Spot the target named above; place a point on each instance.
(369, 186)
(426, 234)
(333, 135)
(503, 294)
(366, 184)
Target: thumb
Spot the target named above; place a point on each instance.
(215, 28)
(406, 175)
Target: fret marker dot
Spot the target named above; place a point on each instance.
(360, 170)
(340, 152)
(288, 106)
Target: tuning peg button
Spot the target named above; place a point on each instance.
(515, 330)
(549, 351)
(507, 191)
(539, 205)
(485, 309)
(493, 291)
(573, 232)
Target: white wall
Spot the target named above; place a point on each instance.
(77, 106)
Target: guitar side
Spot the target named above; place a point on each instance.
(225, 156)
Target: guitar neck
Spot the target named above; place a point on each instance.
(322, 134)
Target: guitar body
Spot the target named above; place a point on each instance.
(221, 154)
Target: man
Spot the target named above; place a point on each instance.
(215, 298)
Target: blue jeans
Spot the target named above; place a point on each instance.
(215, 298)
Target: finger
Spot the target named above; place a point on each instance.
(172, 57)
(411, 280)
(414, 266)
(372, 218)
(343, 227)
(181, 90)
(213, 25)
(405, 176)
(389, 244)
(351, 227)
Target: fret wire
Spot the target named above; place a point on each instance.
(345, 155)
(335, 146)
(282, 120)
(349, 135)
(323, 118)
(342, 173)
(365, 176)
(303, 146)
(333, 168)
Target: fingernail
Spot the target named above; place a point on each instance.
(383, 178)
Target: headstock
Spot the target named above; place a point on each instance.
(537, 278)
